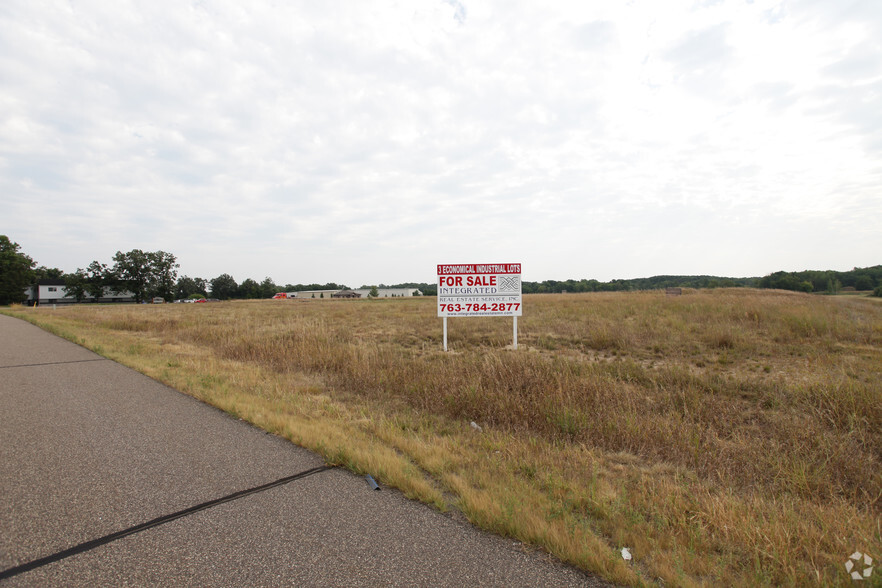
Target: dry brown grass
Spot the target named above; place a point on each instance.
(728, 437)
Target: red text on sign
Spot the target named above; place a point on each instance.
(495, 307)
(469, 280)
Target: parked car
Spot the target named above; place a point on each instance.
(280, 296)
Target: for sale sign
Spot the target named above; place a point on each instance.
(479, 289)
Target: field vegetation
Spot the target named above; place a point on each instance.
(726, 437)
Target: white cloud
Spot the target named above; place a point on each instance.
(366, 142)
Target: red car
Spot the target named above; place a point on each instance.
(280, 296)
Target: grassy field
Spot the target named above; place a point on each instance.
(726, 437)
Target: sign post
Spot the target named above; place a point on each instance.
(480, 289)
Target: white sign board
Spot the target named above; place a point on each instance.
(479, 289)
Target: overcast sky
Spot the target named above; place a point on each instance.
(366, 141)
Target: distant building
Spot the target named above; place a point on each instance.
(390, 292)
(360, 293)
(312, 294)
(54, 291)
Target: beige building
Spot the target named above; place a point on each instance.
(389, 292)
(360, 293)
(312, 294)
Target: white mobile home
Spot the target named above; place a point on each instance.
(53, 291)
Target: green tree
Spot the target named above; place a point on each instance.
(224, 287)
(863, 282)
(75, 284)
(16, 272)
(373, 293)
(268, 288)
(48, 273)
(131, 272)
(97, 277)
(187, 286)
(144, 274)
(163, 272)
(249, 289)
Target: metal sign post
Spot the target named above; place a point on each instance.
(480, 289)
(515, 338)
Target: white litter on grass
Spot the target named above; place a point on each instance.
(476, 426)
(853, 563)
(626, 555)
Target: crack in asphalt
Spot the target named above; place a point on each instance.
(92, 544)
(6, 367)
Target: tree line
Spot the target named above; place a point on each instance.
(653, 283)
(225, 287)
(828, 281)
(149, 274)
(831, 282)
(146, 274)
(861, 279)
(143, 274)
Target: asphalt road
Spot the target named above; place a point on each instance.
(100, 464)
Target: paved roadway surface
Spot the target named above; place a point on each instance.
(92, 450)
